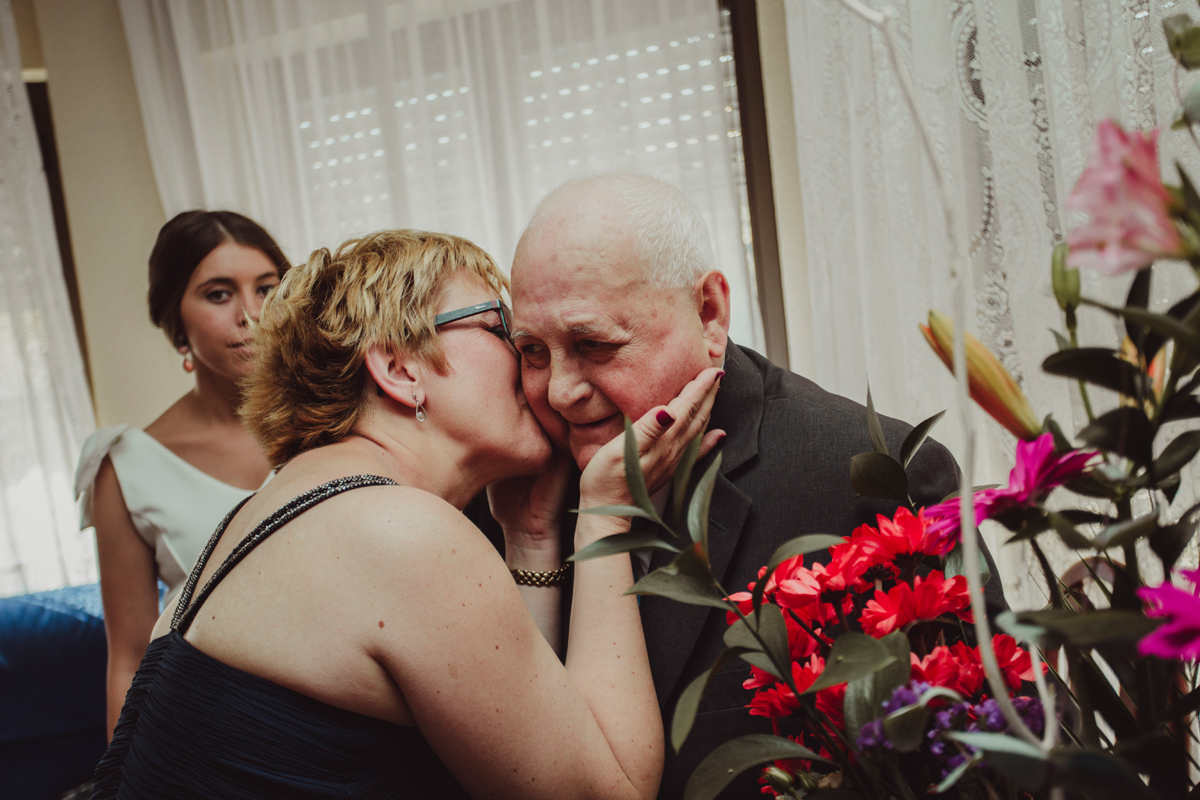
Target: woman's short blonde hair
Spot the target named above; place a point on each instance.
(310, 382)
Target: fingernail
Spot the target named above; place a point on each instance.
(720, 374)
(664, 418)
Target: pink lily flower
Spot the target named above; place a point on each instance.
(1179, 636)
(1036, 473)
(1121, 189)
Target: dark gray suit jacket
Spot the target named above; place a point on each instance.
(785, 472)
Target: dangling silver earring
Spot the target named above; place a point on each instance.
(421, 415)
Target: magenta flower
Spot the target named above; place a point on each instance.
(1179, 636)
(1036, 472)
(1121, 189)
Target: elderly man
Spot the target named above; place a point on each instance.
(617, 304)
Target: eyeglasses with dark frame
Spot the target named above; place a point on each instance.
(502, 331)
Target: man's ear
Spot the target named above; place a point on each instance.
(712, 296)
(396, 375)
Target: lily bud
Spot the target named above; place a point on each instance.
(777, 779)
(1064, 279)
(991, 385)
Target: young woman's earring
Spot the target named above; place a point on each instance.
(421, 415)
(186, 352)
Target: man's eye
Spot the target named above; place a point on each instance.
(534, 355)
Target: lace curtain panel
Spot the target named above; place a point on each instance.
(1012, 90)
(45, 408)
(325, 120)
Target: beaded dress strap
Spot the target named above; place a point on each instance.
(186, 609)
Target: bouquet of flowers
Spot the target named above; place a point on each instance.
(878, 672)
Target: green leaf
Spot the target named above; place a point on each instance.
(879, 475)
(1100, 776)
(1184, 707)
(974, 490)
(1015, 758)
(957, 774)
(623, 543)
(934, 692)
(1096, 365)
(1089, 628)
(905, 727)
(1104, 699)
(1021, 631)
(878, 443)
(683, 476)
(1069, 534)
(1062, 342)
(865, 695)
(1177, 454)
(1061, 443)
(1189, 49)
(1137, 300)
(689, 699)
(916, 437)
(853, 655)
(955, 566)
(1168, 543)
(1181, 406)
(1191, 203)
(735, 757)
(701, 498)
(768, 623)
(801, 545)
(1127, 531)
(1167, 327)
(614, 511)
(634, 477)
(1124, 431)
(1191, 102)
(687, 579)
(1174, 27)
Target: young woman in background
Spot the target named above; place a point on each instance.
(155, 496)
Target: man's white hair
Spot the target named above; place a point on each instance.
(671, 238)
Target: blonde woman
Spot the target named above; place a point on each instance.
(347, 632)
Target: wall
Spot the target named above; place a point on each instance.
(114, 210)
(785, 179)
(112, 203)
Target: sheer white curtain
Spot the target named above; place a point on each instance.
(327, 119)
(1013, 90)
(45, 408)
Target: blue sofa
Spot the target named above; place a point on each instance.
(52, 667)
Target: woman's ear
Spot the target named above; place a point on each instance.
(712, 296)
(395, 375)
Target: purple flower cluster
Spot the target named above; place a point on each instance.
(872, 736)
(981, 717)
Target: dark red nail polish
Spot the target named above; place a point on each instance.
(664, 418)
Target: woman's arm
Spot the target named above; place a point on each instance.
(529, 510)
(488, 693)
(128, 587)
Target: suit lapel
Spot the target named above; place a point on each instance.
(672, 628)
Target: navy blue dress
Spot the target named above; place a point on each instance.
(195, 727)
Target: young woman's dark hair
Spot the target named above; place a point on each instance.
(182, 244)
